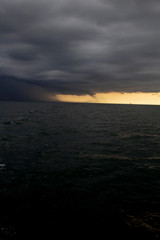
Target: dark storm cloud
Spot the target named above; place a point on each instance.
(13, 89)
(78, 47)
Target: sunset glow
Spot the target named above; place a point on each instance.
(113, 97)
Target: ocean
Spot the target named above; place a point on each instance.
(79, 170)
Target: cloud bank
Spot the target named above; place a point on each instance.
(78, 47)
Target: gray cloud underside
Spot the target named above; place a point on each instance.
(78, 47)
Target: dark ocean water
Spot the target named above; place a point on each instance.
(79, 169)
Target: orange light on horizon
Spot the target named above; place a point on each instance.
(112, 97)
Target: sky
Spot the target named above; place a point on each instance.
(79, 50)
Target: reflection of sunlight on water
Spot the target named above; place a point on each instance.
(139, 135)
(104, 156)
(149, 222)
(154, 158)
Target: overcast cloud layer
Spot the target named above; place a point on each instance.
(78, 47)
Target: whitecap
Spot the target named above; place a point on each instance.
(2, 166)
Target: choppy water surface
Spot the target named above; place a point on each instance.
(79, 166)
